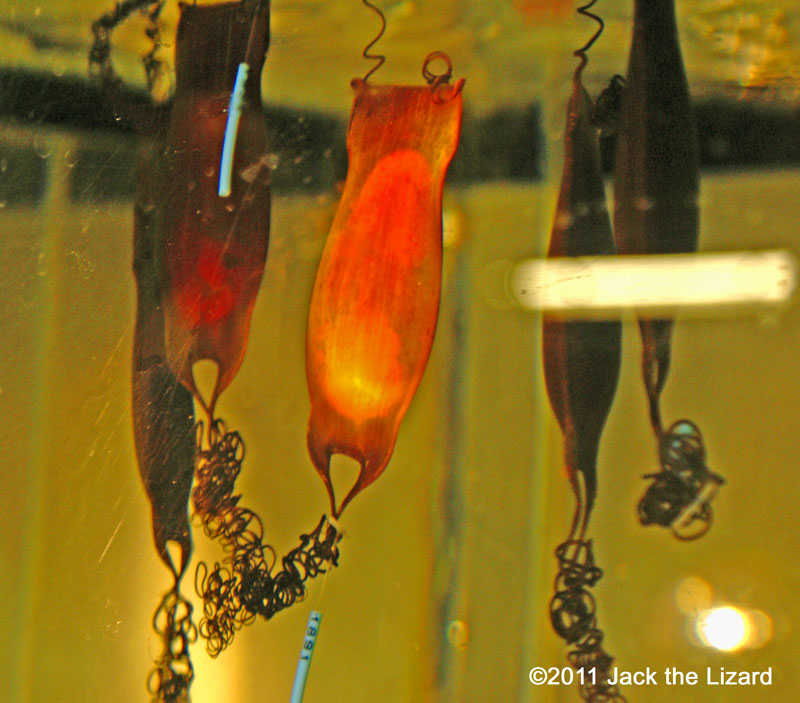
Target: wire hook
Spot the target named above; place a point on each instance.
(380, 58)
(581, 53)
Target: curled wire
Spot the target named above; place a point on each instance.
(572, 608)
(245, 584)
(171, 677)
(573, 616)
(680, 494)
(581, 53)
(380, 58)
(437, 79)
(100, 52)
(595, 663)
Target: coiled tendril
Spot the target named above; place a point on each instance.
(100, 53)
(244, 586)
(572, 613)
(681, 493)
(172, 675)
(581, 53)
(379, 58)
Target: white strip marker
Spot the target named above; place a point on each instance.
(231, 127)
(615, 282)
(304, 663)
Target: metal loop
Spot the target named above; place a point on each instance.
(437, 79)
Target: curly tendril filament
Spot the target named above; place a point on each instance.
(250, 582)
(375, 301)
(173, 673)
(680, 494)
(573, 616)
(379, 59)
(100, 53)
(581, 53)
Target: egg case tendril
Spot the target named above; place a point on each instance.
(380, 59)
(245, 584)
(683, 476)
(572, 614)
(100, 52)
(172, 675)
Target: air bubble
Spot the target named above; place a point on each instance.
(458, 634)
(41, 147)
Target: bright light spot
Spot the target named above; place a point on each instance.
(611, 283)
(723, 628)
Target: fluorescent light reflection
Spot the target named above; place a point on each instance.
(612, 283)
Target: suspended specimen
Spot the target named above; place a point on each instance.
(581, 366)
(211, 250)
(375, 301)
(164, 436)
(199, 257)
(656, 212)
(201, 237)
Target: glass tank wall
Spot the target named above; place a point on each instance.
(446, 569)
